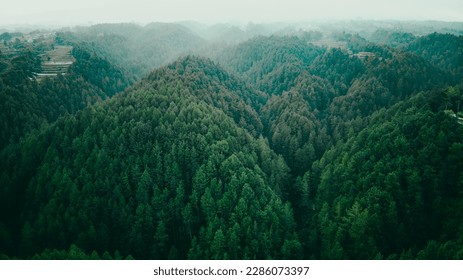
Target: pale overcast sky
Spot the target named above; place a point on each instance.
(70, 12)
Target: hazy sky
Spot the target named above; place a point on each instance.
(142, 11)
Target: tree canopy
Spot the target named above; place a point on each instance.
(299, 144)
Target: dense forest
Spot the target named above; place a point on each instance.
(168, 142)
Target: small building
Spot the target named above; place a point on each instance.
(365, 55)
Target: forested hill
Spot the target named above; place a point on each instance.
(28, 101)
(137, 49)
(309, 145)
(443, 50)
(171, 174)
(208, 82)
(392, 188)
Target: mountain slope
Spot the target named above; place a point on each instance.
(352, 150)
(26, 103)
(210, 83)
(270, 63)
(442, 50)
(138, 49)
(389, 189)
(174, 176)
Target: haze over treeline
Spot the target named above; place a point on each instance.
(309, 140)
(69, 12)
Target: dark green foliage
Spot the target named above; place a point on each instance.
(27, 104)
(406, 164)
(159, 166)
(338, 68)
(99, 72)
(208, 82)
(271, 63)
(293, 123)
(297, 151)
(442, 50)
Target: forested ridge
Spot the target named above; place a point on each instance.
(284, 146)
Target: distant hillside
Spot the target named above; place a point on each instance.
(135, 48)
(442, 50)
(305, 144)
(27, 101)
